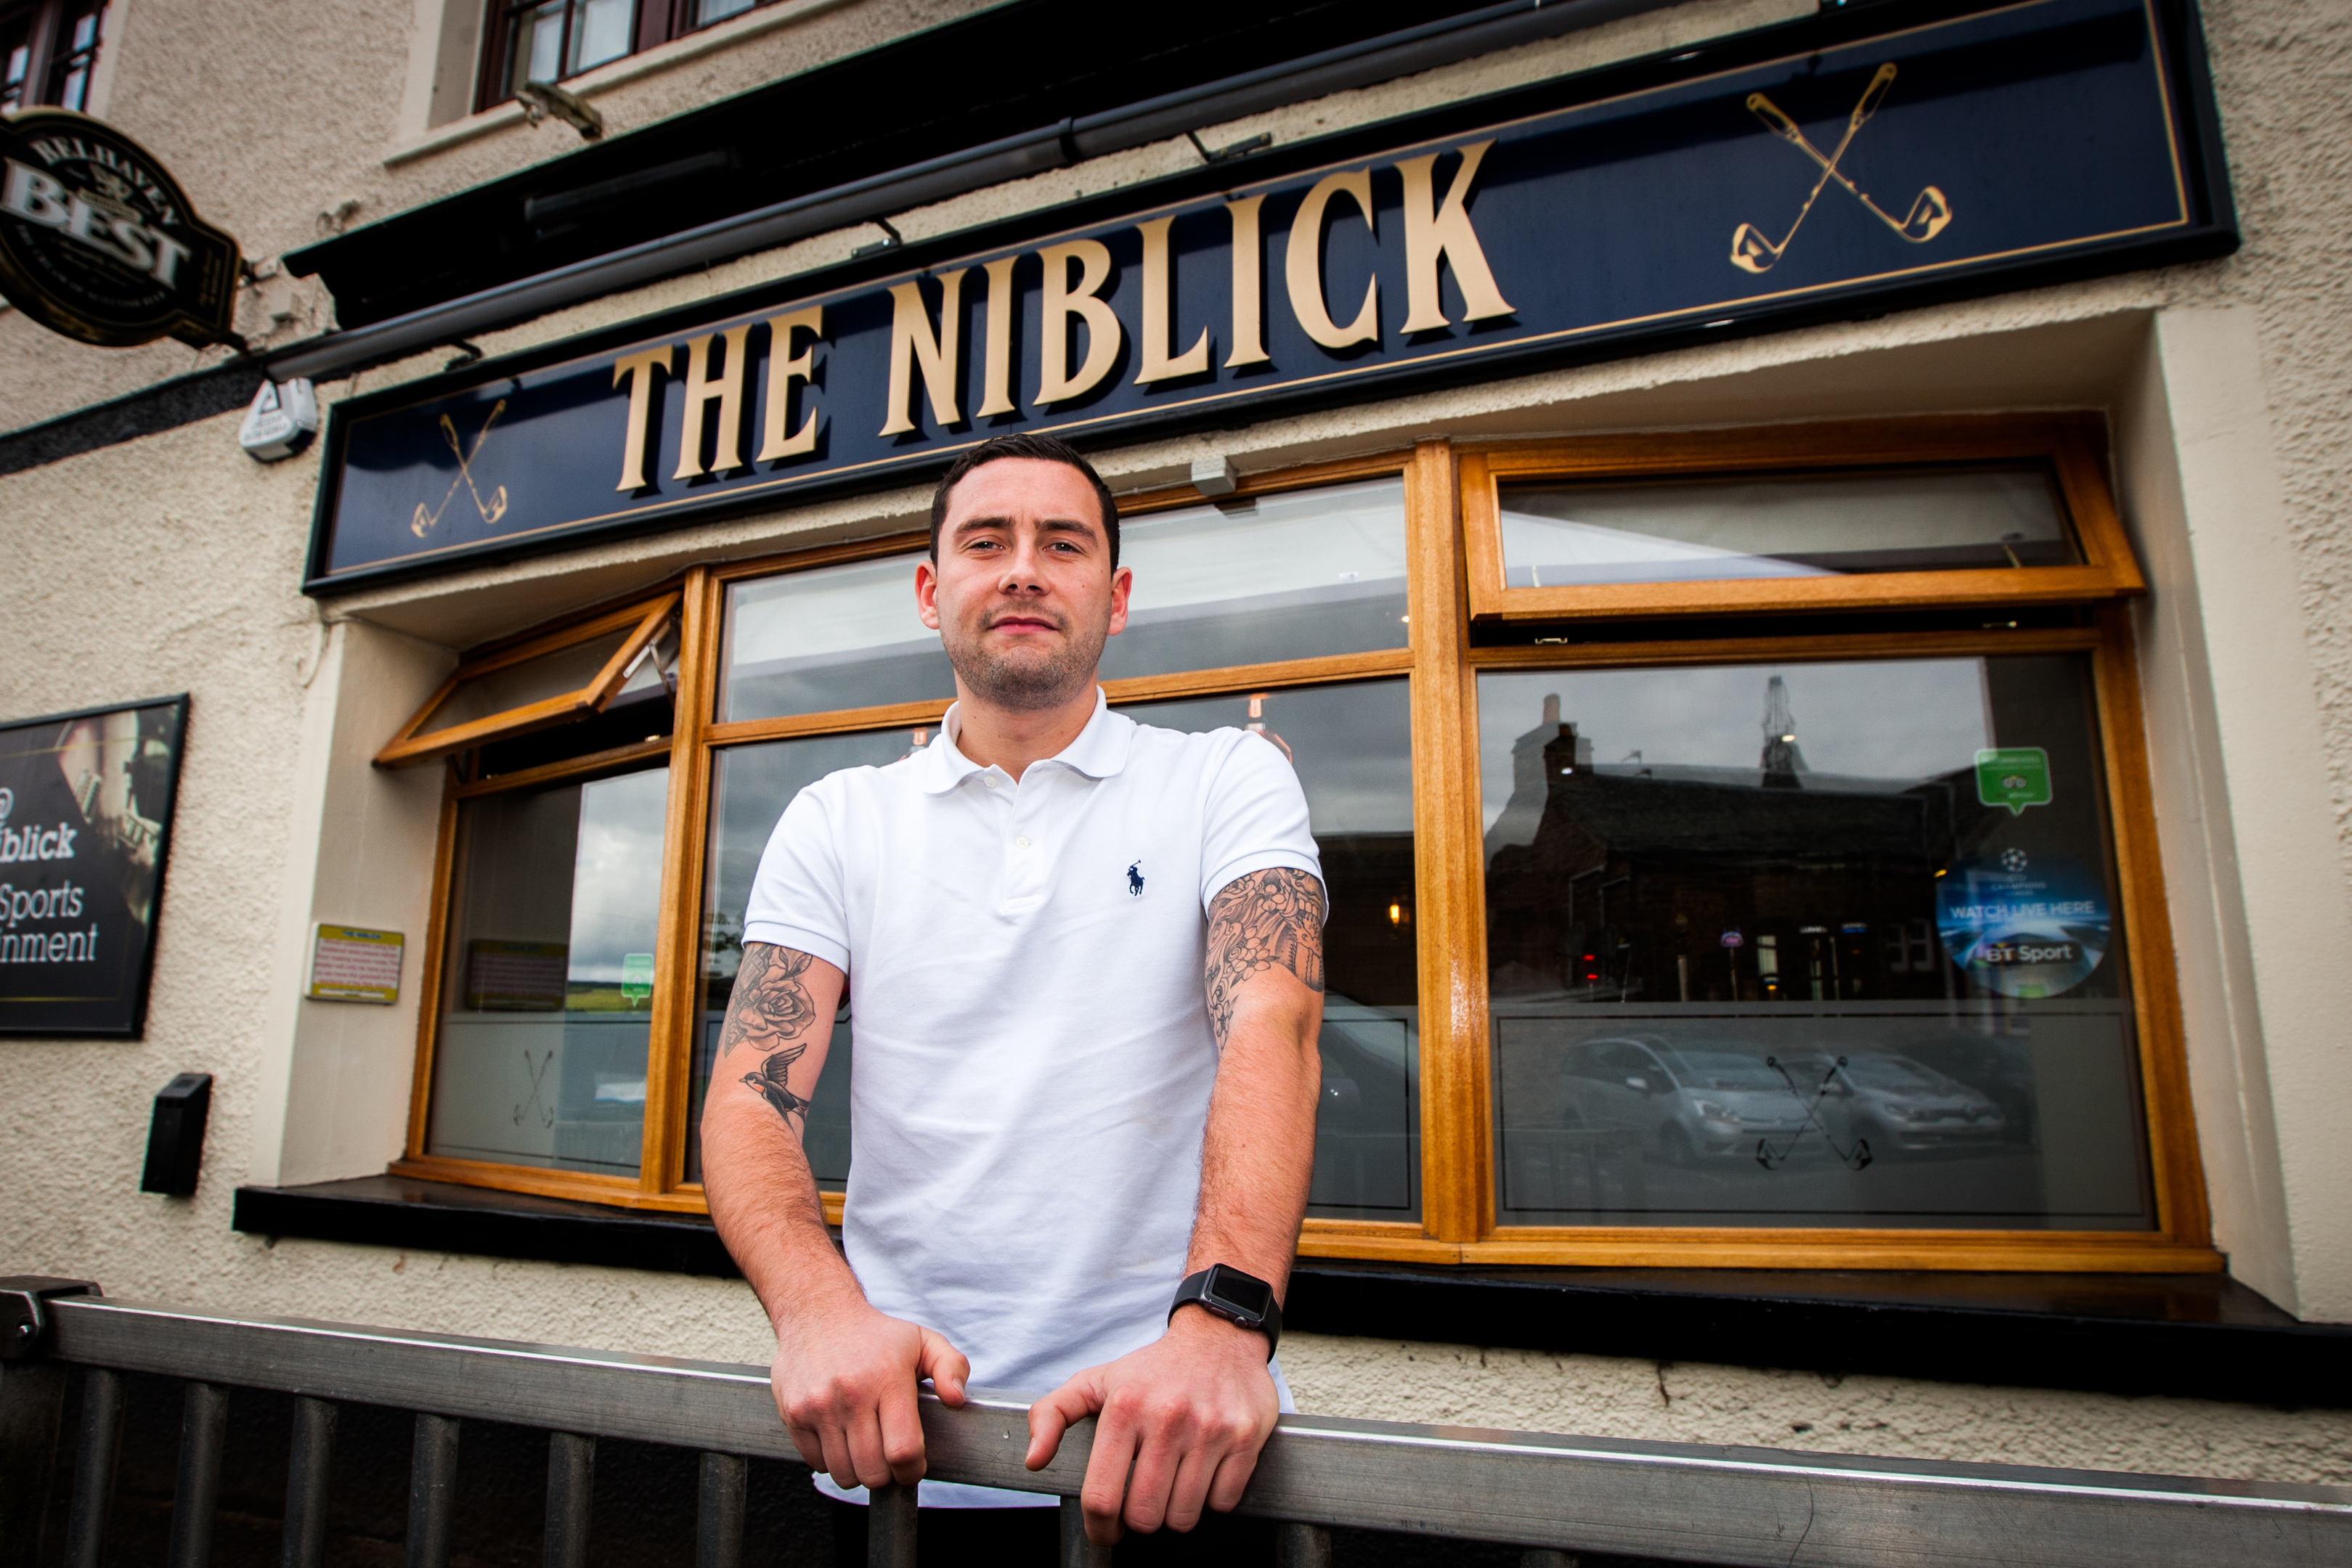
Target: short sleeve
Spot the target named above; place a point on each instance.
(799, 899)
(1255, 819)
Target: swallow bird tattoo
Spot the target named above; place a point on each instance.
(769, 1080)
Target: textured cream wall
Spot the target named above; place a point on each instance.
(127, 584)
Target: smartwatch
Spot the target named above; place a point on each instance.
(1236, 1296)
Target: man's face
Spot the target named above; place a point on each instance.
(1023, 595)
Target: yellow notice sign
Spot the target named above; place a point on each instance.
(348, 964)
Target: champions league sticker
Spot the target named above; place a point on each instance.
(2022, 926)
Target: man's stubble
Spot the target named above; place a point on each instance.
(1028, 684)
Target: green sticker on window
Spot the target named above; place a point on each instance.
(2013, 776)
(636, 978)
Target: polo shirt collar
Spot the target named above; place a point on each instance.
(1098, 752)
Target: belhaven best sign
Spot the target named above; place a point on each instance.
(97, 242)
(1843, 164)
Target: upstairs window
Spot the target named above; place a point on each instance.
(554, 40)
(49, 51)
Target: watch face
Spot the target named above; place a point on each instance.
(1245, 1293)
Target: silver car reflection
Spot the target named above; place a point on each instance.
(1688, 1101)
(1902, 1105)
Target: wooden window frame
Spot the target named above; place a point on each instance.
(1444, 487)
(655, 23)
(2069, 444)
(49, 52)
(413, 744)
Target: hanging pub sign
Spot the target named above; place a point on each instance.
(1840, 165)
(99, 243)
(85, 829)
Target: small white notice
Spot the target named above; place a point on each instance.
(353, 964)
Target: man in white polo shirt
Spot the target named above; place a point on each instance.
(1087, 958)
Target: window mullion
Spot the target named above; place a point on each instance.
(1455, 1167)
(669, 1053)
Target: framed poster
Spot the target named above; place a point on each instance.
(85, 833)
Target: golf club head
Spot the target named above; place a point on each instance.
(1751, 251)
(1929, 215)
(422, 523)
(498, 507)
(1873, 95)
(1778, 122)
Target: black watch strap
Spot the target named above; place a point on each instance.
(1236, 1296)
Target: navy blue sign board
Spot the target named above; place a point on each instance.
(1834, 167)
(86, 803)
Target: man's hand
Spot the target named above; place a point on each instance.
(844, 1378)
(1189, 1412)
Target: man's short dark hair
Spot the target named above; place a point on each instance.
(1023, 444)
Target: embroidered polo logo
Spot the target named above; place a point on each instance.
(1135, 880)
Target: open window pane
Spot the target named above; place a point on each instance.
(1558, 534)
(1817, 945)
(546, 1004)
(834, 638)
(521, 685)
(750, 787)
(1352, 746)
(1290, 576)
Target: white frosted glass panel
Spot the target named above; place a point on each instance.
(1559, 534)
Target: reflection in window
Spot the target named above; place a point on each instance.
(822, 640)
(539, 1058)
(1560, 535)
(1352, 746)
(1291, 575)
(1830, 944)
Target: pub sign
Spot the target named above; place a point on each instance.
(85, 830)
(1841, 165)
(99, 242)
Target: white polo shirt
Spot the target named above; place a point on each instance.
(1033, 1054)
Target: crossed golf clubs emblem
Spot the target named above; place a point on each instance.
(492, 509)
(544, 1113)
(1771, 1158)
(1751, 252)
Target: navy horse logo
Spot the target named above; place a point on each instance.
(1135, 880)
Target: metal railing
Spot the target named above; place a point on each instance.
(1552, 1495)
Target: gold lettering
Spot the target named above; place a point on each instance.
(1432, 232)
(1305, 269)
(701, 392)
(1157, 365)
(638, 370)
(996, 374)
(912, 343)
(1249, 336)
(1055, 385)
(784, 367)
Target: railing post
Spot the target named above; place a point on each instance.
(32, 1404)
(719, 1524)
(100, 1441)
(890, 1527)
(203, 1422)
(432, 1480)
(571, 1498)
(308, 1461)
(1300, 1545)
(1077, 1552)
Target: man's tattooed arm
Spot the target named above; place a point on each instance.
(771, 1011)
(1268, 920)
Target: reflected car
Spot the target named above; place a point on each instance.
(1689, 1101)
(1905, 1106)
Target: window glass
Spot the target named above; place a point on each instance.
(834, 638)
(547, 991)
(1819, 944)
(708, 11)
(1290, 576)
(750, 787)
(519, 685)
(538, 52)
(1352, 746)
(599, 32)
(1561, 535)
